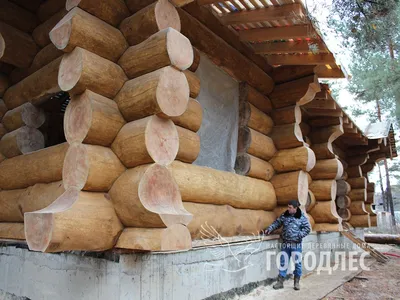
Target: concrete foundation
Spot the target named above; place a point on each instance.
(196, 274)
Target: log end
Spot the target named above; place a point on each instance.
(302, 191)
(61, 33)
(311, 161)
(70, 4)
(38, 230)
(179, 49)
(76, 167)
(167, 16)
(242, 164)
(2, 45)
(70, 70)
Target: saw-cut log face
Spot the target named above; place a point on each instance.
(167, 15)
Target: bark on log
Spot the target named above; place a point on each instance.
(41, 33)
(17, 17)
(3, 109)
(35, 88)
(324, 189)
(382, 238)
(26, 170)
(12, 231)
(343, 201)
(206, 185)
(362, 221)
(325, 212)
(80, 29)
(26, 114)
(164, 91)
(354, 171)
(81, 70)
(194, 83)
(249, 94)
(251, 116)
(287, 136)
(167, 47)
(358, 182)
(91, 168)
(148, 196)
(357, 208)
(249, 165)
(192, 117)
(287, 115)
(326, 227)
(311, 201)
(301, 158)
(19, 48)
(358, 195)
(14, 203)
(189, 145)
(21, 141)
(345, 214)
(75, 221)
(110, 11)
(210, 220)
(147, 140)
(327, 169)
(255, 143)
(4, 84)
(196, 60)
(92, 119)
(343, 188)
(49, 8)
(175, 237)
(149, 20)
(323, 150)
(291, 186)
(300, 91)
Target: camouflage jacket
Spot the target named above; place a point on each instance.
(295, 227)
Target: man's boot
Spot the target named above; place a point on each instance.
(297, 283)
(279, 284)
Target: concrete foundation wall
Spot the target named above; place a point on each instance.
(195, 274)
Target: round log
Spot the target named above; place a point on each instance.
(354, 171)
(311, 221)
(110, 11)
(343, 201)
(300, 158)
(311, 201)
(147, 140)
(358, 182)
(254, 118)
(326, 134)
(326, 227)
(196, 60)
(17, 17)
(344, 213)
(324, 189)
(148, 196)
(249, 165)
(362, 221)
(360, 159)
(358, 195)
(136, 5)
(287, 115)
(324, 212)
(49, 8)
(206, 185)
(305, 128)
(14, 203)
(382, 238)
(91, 168)
(2, 157)
(26, 114)
(370, 185)
(192, 117)
(164, 91)
(167, 47)
(4, 84)
(81, 70)
(81, 29)
(3, 131)
(26, 170)
(209, 220)
(41, 33)
(287, 136)
(12, 231)
(280, 209)
(175, 237)
(370, 197)
(327, 169)
(35, 88)
(3, 109)
(194, 83)
(343, 188)
(92, 119)
(18, 48)
(249, 94)
(189, 145)
(323, 151)
(149, 20)
(374, 221)
(357, 208)
(21, 141)
(345, 176)
(255, 143)
(75, 221)
(291, 186)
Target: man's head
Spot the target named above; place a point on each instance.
(292, 206)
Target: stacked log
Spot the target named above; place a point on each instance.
(343, 200)
(368, 203)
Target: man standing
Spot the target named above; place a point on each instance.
(295, 228)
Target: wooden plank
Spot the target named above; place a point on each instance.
(302, 59)
(276, 33)
(284, 12)
(287, 47)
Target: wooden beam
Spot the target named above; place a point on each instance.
(302, 59)
(223, 55)
(324, 72)
(284, 74)
(320, 112)
(320, 104)
(276, 33)
(284, 12)
(287, 47)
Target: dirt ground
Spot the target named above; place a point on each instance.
(381, 282)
